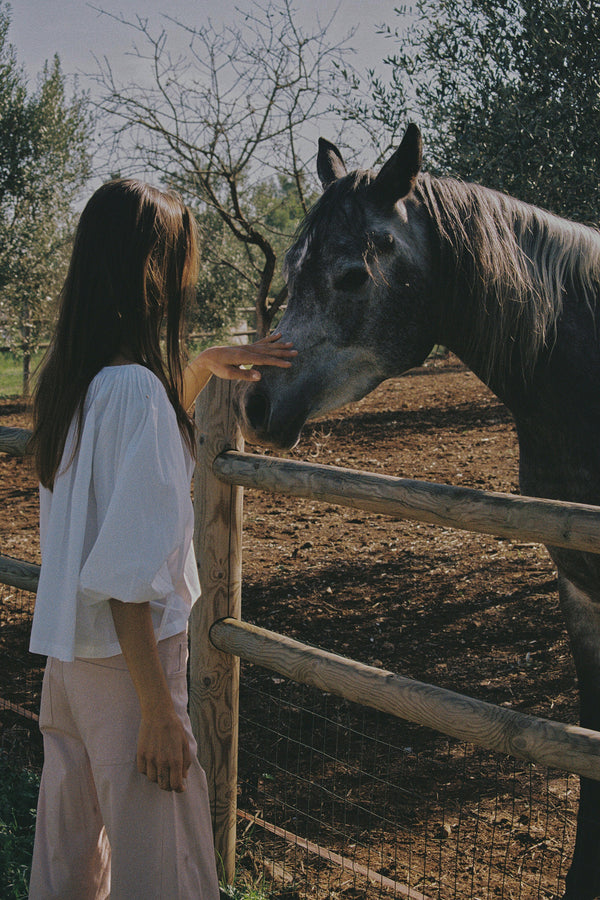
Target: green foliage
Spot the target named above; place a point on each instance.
(223, 284)
(44, 162)
(509, 93)
(11, 372)
(231, 270)
(18, 799)
(244, 892)
(278, 207)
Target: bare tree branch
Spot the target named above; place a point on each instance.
(236, 109)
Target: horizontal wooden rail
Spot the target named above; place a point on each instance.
(19, 710)
(14, 440)
(16, 572)
(19, 574)
(553, 522)
(566, 747)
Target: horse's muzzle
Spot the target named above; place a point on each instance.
(262, 423)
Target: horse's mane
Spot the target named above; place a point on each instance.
(516, 261)
(519, 261)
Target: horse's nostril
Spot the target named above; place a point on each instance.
(257, 410)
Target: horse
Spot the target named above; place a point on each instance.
(388, 264)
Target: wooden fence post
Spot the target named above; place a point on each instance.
(214, 675)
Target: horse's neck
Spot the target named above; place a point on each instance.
(506, 269)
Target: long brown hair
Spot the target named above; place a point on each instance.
(134, 263)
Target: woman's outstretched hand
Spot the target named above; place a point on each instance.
(225, 362)
(235, 362)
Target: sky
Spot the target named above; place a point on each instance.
(79, 31)
(83, 33)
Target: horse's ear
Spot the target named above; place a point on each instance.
(397, 177)
(330, 165)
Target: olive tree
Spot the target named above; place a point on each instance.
(506, 91)
(44, 161)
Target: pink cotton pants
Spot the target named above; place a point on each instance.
(103, 830)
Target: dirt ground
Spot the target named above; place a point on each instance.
(472, 613)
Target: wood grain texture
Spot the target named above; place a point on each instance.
(567, 747)
(14, 440)
(552, 522)
(19, 574)
(214, 675)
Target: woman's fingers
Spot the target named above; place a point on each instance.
(173, 778)
(169, 776)
(164, 757)
(237, 361)
(270, 339)
(150, 771)
(279, 354)
(270, 345)
(260, 359)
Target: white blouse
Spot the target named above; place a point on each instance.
(118, 522)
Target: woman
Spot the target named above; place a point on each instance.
(123, 804)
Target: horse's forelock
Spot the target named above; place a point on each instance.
(339, 211)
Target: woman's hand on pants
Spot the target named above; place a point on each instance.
(163, 753)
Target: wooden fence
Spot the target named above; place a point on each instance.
(219, 638)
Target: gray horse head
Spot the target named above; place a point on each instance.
(359, 302)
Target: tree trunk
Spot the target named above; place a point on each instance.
(26, 346)
(26, 369)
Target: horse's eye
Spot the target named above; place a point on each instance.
(382, 241)
(352, 279)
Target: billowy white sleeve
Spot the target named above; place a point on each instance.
(141, 494)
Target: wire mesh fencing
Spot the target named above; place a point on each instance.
(337, 801)
(20, 679)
